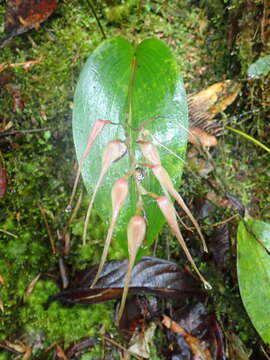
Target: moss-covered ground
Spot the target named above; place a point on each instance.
(40, 166)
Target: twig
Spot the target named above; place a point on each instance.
(9, 233)
(74, 213)
(97, 19)
(30, 287)
(63, 273)
(264, 352)
(250, 138)
(222, 222)
(48, 229)
(25, 64)
(16, 132)
(119, 346)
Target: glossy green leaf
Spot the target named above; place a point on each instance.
(259, 68)
(131, 85)
(253, 267)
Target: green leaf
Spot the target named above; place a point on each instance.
(259, 68)
(132, 86)
(253, 267)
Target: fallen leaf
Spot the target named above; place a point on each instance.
(198, 331)
(200, 137)
(30, 287)
(204, 106)
(140, 341)
(197, 346)
(150, 276)
(22, 16)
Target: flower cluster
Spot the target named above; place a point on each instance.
(136, 229)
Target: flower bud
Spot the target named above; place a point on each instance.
(95, 131)
(150, 152)
(169, 213)
(136, 235)
(166, 183)
(118, 194)
(113, 151)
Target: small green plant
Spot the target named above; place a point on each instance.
(126, 97)
(259, 68)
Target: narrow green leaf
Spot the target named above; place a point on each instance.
(253, 267)
(132, 86)
(259, 68)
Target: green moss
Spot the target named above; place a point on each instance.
(4, 356)
(119, 12)
(59, 322)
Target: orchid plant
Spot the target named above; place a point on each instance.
(130, 131)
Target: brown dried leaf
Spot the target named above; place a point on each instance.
(206, 104)
(31, 287)
(199, 137)
(139, 344)
(195, 321)
(198, 347)
(22, 16)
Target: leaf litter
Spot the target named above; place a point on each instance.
(192, 326)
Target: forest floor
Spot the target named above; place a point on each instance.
(211, 43)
